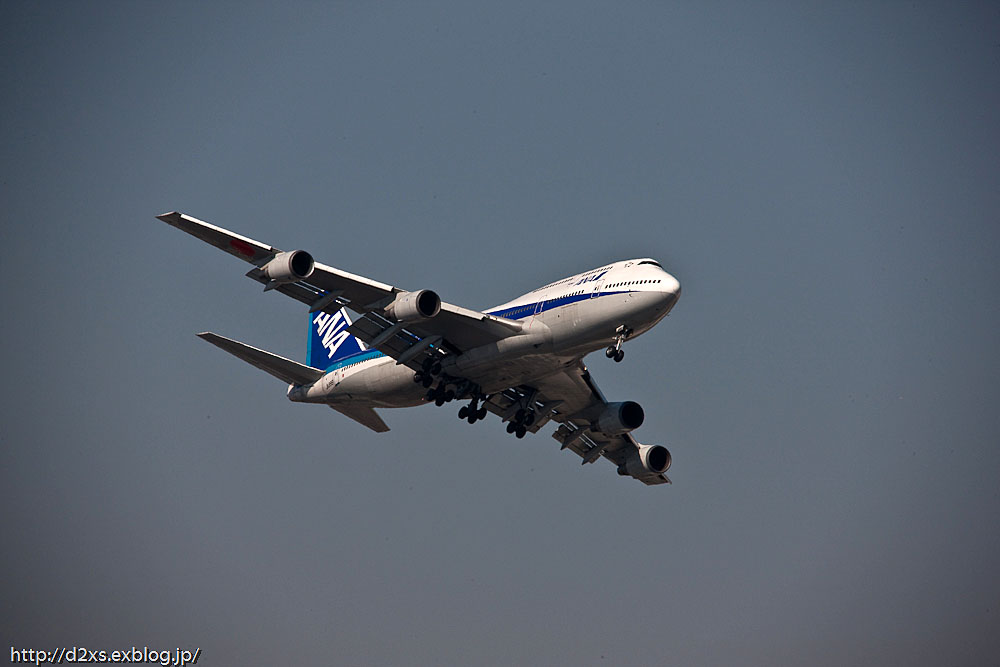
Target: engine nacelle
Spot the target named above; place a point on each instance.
(619, 418)
(647, 459)
(289, 267)
(412, 306)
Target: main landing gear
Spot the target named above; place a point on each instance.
(520, 423)
(448, 389)
(615, 350)
(472, 412)
(426, 375)
(440, 394)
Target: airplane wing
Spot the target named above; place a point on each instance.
(328, 289)
(572, 399)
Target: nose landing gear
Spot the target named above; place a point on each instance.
(615, 350)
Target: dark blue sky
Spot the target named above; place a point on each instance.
(822, 178)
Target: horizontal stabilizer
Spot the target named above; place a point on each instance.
(284, 369)
(363, 415)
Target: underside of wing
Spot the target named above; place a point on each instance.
(239, 246)
(391, 319)
(590, 426)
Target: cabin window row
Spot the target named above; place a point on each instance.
(634, 282)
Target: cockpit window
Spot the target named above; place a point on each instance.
(649, 261)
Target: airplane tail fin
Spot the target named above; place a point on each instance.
(284, 369)
(329, 341)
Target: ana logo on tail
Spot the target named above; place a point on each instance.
(329, 341)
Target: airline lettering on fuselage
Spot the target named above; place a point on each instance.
(591, 279)
(331, 330)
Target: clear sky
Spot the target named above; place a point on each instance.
(821, 177)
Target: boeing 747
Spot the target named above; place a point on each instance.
(521, 361)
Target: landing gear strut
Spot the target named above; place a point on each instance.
(615, 350)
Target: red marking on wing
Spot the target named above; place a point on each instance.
(242, 247)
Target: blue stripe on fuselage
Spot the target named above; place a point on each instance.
(355, 358)
(528, 309)
(515, 313)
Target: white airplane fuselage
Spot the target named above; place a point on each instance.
(561, 322)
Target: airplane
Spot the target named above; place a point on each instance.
(522, 360)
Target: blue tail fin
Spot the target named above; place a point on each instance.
(328, 340)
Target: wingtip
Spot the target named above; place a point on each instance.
(166, 217)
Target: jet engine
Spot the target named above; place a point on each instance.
(412, 306)
(289, 267)
(645, 460)
(619, 418)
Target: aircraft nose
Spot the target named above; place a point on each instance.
(671, 286)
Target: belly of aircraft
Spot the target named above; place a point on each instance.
(517, 372)
(383, 385)
(575, 331)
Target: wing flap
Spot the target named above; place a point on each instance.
(463, 329)
(392, 339)
(357, 290)
(466, 329)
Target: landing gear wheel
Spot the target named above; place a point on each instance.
(619, 355)
(449, 396)
(481, 413)
(418, 377)
(472, 418)
(520, 432)
(511, 427)
(463, 412)
(439, 401)
(428, 381)
(436, 368)
(610, 352)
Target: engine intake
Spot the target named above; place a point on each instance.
(412, 306)
(647, 459)
(619, 418)
(289, 267)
